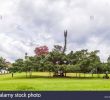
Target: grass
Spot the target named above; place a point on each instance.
(20, 82)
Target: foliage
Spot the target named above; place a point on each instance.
(3, 63)
(82, 61)
(42, 50)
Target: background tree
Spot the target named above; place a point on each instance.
(41, 50)
(3, 63)
(95, 62)
(65, 41)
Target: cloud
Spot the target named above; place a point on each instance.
(26, 24)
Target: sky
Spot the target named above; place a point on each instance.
(26, 24)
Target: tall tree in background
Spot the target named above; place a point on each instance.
(65, 41)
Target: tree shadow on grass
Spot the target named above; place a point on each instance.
(51, 77)
(44, 77)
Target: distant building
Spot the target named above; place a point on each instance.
(4, 71)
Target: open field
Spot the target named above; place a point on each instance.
(38, 83)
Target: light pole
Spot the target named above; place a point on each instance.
(64, 67)
(57, 72)
(26, 62)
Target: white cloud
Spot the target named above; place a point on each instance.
(26, 24)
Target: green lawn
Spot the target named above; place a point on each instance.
(20, 82)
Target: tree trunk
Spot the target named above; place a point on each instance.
(65, 74)
(84, 75)
(65, 41)
(49, 74)
(79, 74)
(12, 75)
(92, 75)
(76, 74)
(98, 75)
(30, 74)
(26, 74)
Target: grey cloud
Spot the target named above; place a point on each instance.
(42, 22)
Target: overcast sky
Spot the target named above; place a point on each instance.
(25, 24)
